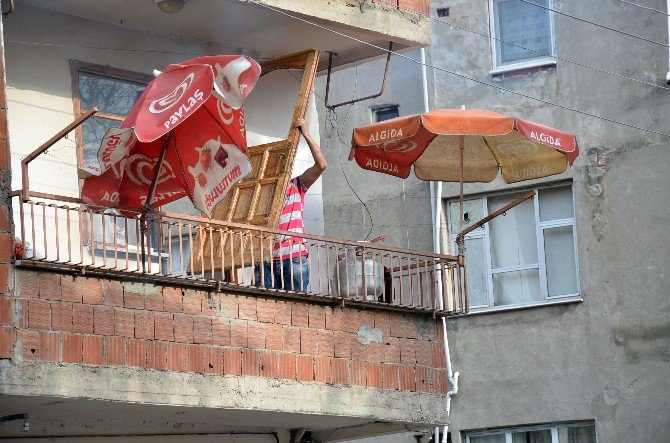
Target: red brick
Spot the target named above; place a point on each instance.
(72, 289)
(163, 326)
(176, 358)
(202, 330)
(411, 328)
(439, 357)
(132, 300)
(397, 326)
(144, 325)
(250, 362)
(305, 368)
(232, 361)
(392, 350)
(103, 320)
(112, 293)
(192, 302)
(5, 222)
(220, 333)
(213, 356)
(291, 339)
(342, 344)
(265, 310)
(270, 364)
(124, 322)
(172, 299)
(440, 382)
(424, 353)
(391, 377)
(82, 318)
(317, 317)
(27, 284)
(282, 312)
(6, 245)
(39, 314)
(358, 372)
(367, 318)
(334, 318)
(93, 350)
(195, 359)
(30, 343)
(239, 333)
(383, 322)
(340, 371)
(50, 286)
(210, 307)
(359, 351)
(287, 364)
(183, 328)
(22, 318)
(154, 301)
(4, 278)
(6, 310)
(248, 308)
(230, 308)
(256, 335)
(326, 343)
(73, 348)
(61, 317)
(7, 339)
(350, 320)
(273, 337)
(408, 351)
(92, 291)
(423, 384)
(115, 351)
(308, 342)
(299, 314)
(322, 370)
(157, 355)
(373, 375)
(407, 378)
(50, 346)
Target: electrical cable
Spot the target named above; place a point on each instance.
(466, 77)
(645, 7)
(545, 54)
(596, 24)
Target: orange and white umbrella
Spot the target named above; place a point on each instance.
(463, 146)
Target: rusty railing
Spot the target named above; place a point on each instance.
(182, 249)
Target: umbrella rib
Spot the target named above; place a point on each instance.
(216, 120)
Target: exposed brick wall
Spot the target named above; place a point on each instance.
(92, 321)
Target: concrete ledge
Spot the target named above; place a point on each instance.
(142, 386)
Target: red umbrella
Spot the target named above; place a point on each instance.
(185, 136)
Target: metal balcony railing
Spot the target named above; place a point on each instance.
(57, 231)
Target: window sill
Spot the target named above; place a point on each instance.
(558, 301)
(535, 63)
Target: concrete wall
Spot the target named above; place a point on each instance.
(606, 358)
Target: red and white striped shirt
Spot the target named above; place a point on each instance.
(292, 220)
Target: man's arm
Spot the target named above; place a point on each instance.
(314, 172)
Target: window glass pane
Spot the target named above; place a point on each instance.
(476, 275)
(525, 25)
(497, 438)
(92, 132)
(543, 436)
(473, 211)
(513, 237)
(577, 434)
(559, 253)
(109, 95)
(556, 203)
(516, 287)
(386, 113)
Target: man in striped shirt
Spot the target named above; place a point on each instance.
(290, 267)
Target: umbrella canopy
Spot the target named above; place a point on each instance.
(484, 142)
(185, 136)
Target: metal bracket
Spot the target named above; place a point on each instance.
(356, 100)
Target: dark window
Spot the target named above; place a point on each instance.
(386, 113)
(443, 12)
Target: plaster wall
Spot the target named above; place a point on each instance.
(606, 358)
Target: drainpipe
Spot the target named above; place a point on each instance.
(667, 76)
(435, 206)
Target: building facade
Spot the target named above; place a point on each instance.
(567, 337)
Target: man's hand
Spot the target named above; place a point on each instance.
(301, 124)
(313, 173)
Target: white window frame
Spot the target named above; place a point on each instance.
(483, 232)
(509, 431)
(535, 62)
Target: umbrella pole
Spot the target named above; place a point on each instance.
(150, 198)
